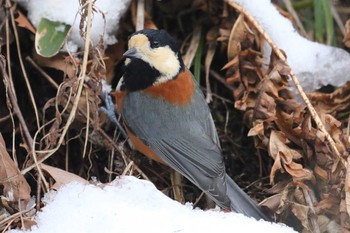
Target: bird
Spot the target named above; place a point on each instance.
(167, 119)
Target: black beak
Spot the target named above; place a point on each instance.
(132, 53)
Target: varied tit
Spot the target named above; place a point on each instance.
(168, 120)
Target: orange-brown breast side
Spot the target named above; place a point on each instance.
(177, 91)
(143, 148)
(119, 98)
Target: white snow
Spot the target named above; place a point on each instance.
(313, 63)
(132, 205)
(66, 11)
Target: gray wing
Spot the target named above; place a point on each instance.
(184, 137)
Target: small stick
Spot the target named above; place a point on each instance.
(218, 77)
(338, 19)
(312, 216)
(42, 72)
(24, 72)
(5, 118)
(140, 15)
(291, 10)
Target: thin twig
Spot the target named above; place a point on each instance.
(111, 158)
(291, 10)
(208, 60)
(128, 168)
(24, 72)
(9, 72)
(176, 183)
(87, 122)
(38, 196)
(5, 118)
(198, 199)
(218, 77)
(140, 15)
(312, 214)
(338, 19)
(281, 56)
(42, 72)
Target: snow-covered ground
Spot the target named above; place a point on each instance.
(132, 205)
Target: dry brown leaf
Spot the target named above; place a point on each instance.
(237, 34)
(258, 129)
(347, 187)
(15, 185)
(277, 143)
(223, 35)
(328, 205)
(269, 87)
(301, 212)
(285, 123)
(333, 103)
(62, 177)
(328, 225)
(278, 187)
(287, 198)
(345, 223)
(321, 173)
(149, 24)
(333, 126)
(23, 22)
(272, 202)
(192, 49)
(232, 63)
(277, 166)
(60, 61)
(282, 67)
(113, 53)
(266, 107)
(28, 223)
(346, 39)
(284, 158)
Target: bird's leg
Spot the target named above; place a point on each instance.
(109, 109)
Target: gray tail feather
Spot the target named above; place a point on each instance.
(242, 203)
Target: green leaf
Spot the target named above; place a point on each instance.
(324, 25)
(50, 37)
(302, 4)
(329, 22)
(319, 21)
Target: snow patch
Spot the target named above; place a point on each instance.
(130, 205)
(66, 11)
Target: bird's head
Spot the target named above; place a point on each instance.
(152, 58)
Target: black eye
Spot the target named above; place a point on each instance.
(155, 44)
